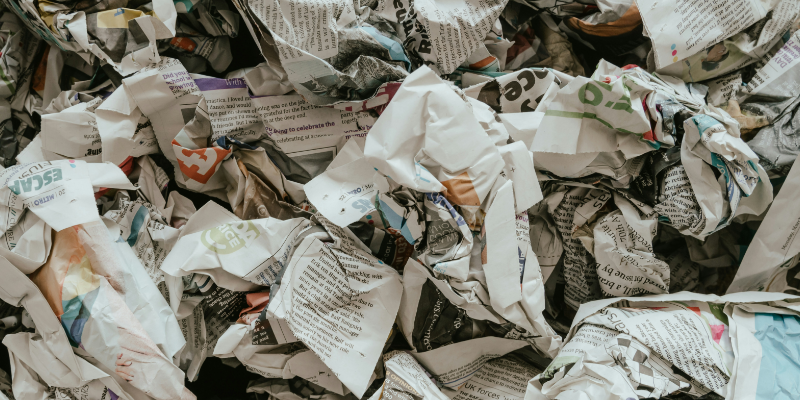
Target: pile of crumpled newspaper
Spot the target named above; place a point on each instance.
(399, 199)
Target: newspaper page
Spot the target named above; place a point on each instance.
(656, 345)
(310, 135)
(666, 347)
(500, 379)
(27, 243)
(456, 364)
(597, 117)
(501, 249)
(722, 89)
(73, 133)
(407, 147)
(448, 240)
(770, 257)
(191, 357)
(276, 361)
(623, 245)
(780, 75)
(675, 331)
(324, 296)
(442, 35)
(679, 30)
(168, 96)
(255, 251)
(520, 91)
(619, 364)
(60, 192)
(436, 320)
(406, 380)
(30, 379)
(679, 204)
(149, 237)
(346, 193)
(544, 238)
(122, 129)
(314, 44)
(579, 270)
(230, 109)
(519, 164)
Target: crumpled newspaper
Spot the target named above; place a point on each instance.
(399, 199)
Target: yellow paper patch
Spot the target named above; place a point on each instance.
(117, 18)
(80, 280)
